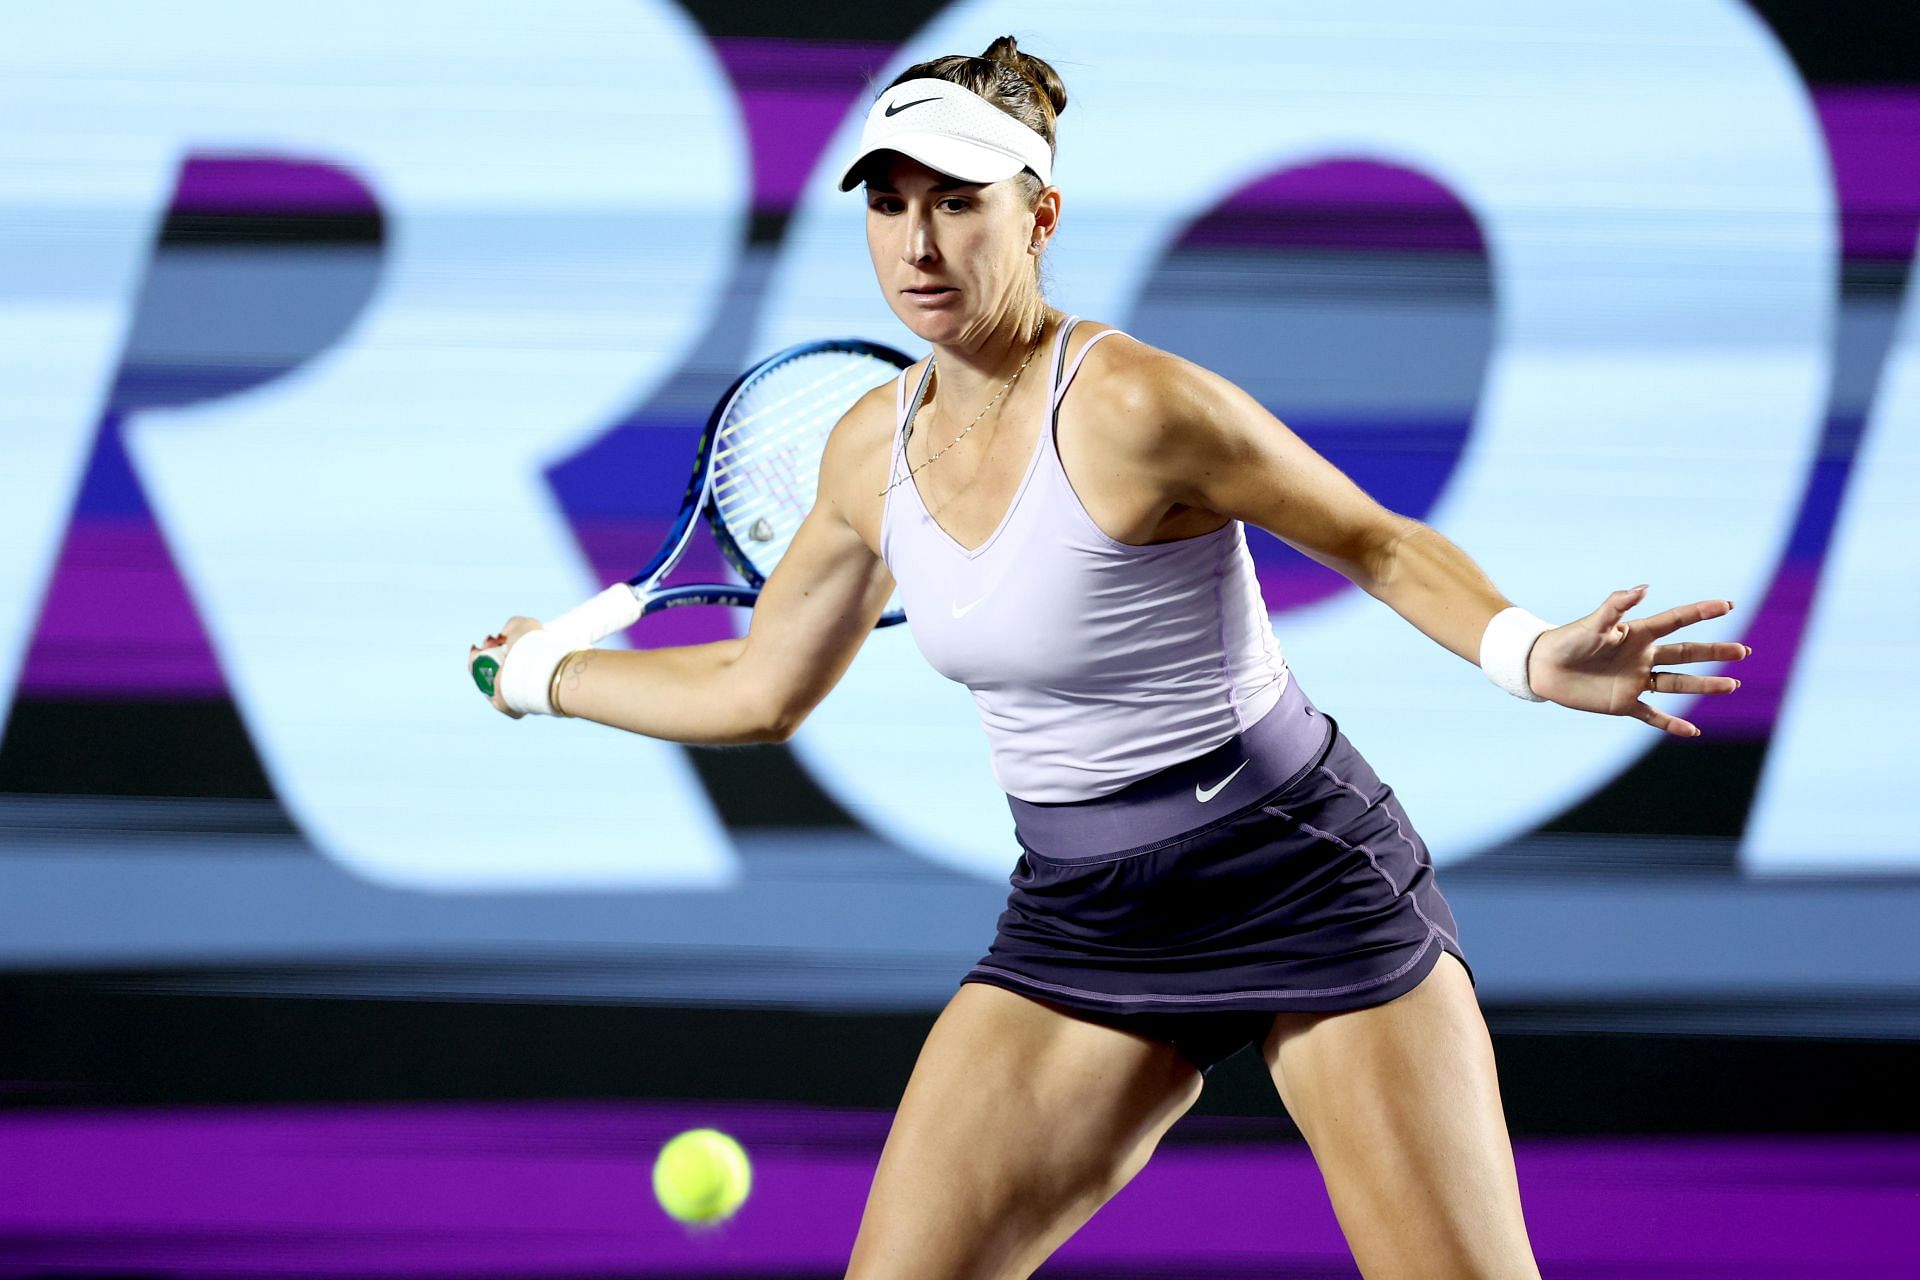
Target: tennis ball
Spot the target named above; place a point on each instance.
(702, 1176)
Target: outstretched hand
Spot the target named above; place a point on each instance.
(1603, 663)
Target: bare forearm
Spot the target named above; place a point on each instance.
(686, 693)
(1433, 584)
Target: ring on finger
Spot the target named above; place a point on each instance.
(1653, 680)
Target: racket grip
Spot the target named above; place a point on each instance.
(581, 627)
(522, 677)
(485, 668)
(615, 609)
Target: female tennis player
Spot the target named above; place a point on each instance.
(1207, 862)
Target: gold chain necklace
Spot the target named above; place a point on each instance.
(907, 434)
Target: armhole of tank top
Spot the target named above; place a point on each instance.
(1066, 380)
(896, 452)
(1072, 495)
(1057, 365)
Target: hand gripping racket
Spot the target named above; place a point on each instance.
(756, 476)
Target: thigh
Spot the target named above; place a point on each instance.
(1401, 1107)
(1019, 1121)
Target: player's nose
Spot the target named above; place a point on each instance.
(918, 246)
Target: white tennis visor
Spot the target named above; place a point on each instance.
(949, 127)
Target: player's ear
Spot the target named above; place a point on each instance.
(1046, 218)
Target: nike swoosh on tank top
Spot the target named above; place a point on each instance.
(1093, 662)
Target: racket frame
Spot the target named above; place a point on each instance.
(625, 603)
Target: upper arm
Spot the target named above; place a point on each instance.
(1208, 444)
(824, 596)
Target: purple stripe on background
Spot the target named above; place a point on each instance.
(1873, 135)
(116, 569)
(117, 621)
(793, 95)
(758, 61)
(212, 183)
(1341, 204)
(563, 1188)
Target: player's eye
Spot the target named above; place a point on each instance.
(884, 204)
(955, 204)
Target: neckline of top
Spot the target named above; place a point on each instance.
(1054, 363)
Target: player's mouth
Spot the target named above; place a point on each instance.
(931, 295)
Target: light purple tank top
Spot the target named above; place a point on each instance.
(1093, 663)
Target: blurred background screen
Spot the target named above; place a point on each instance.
(333, 339)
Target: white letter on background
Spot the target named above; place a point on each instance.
(564, 188)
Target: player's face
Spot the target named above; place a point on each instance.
(952, 257)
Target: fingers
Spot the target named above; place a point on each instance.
(1684, 615)
(1696, 651)
(1679, 682)
(1617, 604)
(1668, 655)
(1675, 682)
(1661, 720)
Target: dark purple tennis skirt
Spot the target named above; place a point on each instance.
(1274, 873)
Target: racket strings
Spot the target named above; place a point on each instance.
(830, 396)
(753, 462)
(767, 451)
(800, 427)
(849, 369)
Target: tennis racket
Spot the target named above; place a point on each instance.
(755, 478)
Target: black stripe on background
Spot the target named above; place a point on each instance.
(97, 1039)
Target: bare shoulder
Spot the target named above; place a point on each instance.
(853, 467)
(1137, 397)
(1189, 437)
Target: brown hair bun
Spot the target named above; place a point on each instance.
(1023, 86)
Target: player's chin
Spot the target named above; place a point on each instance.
(929, 326)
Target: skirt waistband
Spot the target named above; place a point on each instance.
(1263, 758)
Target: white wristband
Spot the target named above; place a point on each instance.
(1504, 647)
(528, 670)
